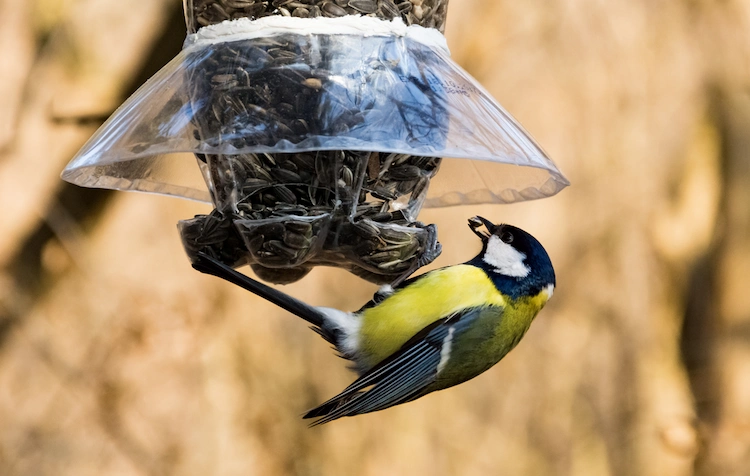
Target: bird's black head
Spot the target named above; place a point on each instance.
(515, 261)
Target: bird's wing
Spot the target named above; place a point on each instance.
(402, 376)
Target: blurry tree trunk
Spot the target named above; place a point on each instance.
(722, 369)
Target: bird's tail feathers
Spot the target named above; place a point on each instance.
(209, 265)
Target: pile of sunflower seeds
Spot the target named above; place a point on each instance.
(285, 249)
(354, 183)
(289, 88)
(285, 213)
(427, 13)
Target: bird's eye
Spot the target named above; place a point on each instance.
(507, 237)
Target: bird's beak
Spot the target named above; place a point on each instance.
(476, 222)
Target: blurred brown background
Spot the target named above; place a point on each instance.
(117, 358)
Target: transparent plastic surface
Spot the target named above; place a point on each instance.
(283, 242)
(284, 247)
(294, 93)
(381, 247)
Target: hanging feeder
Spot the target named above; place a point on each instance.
(318, 140)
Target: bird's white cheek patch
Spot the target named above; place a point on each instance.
(505, 259)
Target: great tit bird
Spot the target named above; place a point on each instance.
(432, 331)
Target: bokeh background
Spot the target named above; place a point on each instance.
(117, 358)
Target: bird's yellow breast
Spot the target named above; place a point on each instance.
(438, 294)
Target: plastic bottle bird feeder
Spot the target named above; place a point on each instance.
(317, 138)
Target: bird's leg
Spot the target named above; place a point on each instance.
(432, 250)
